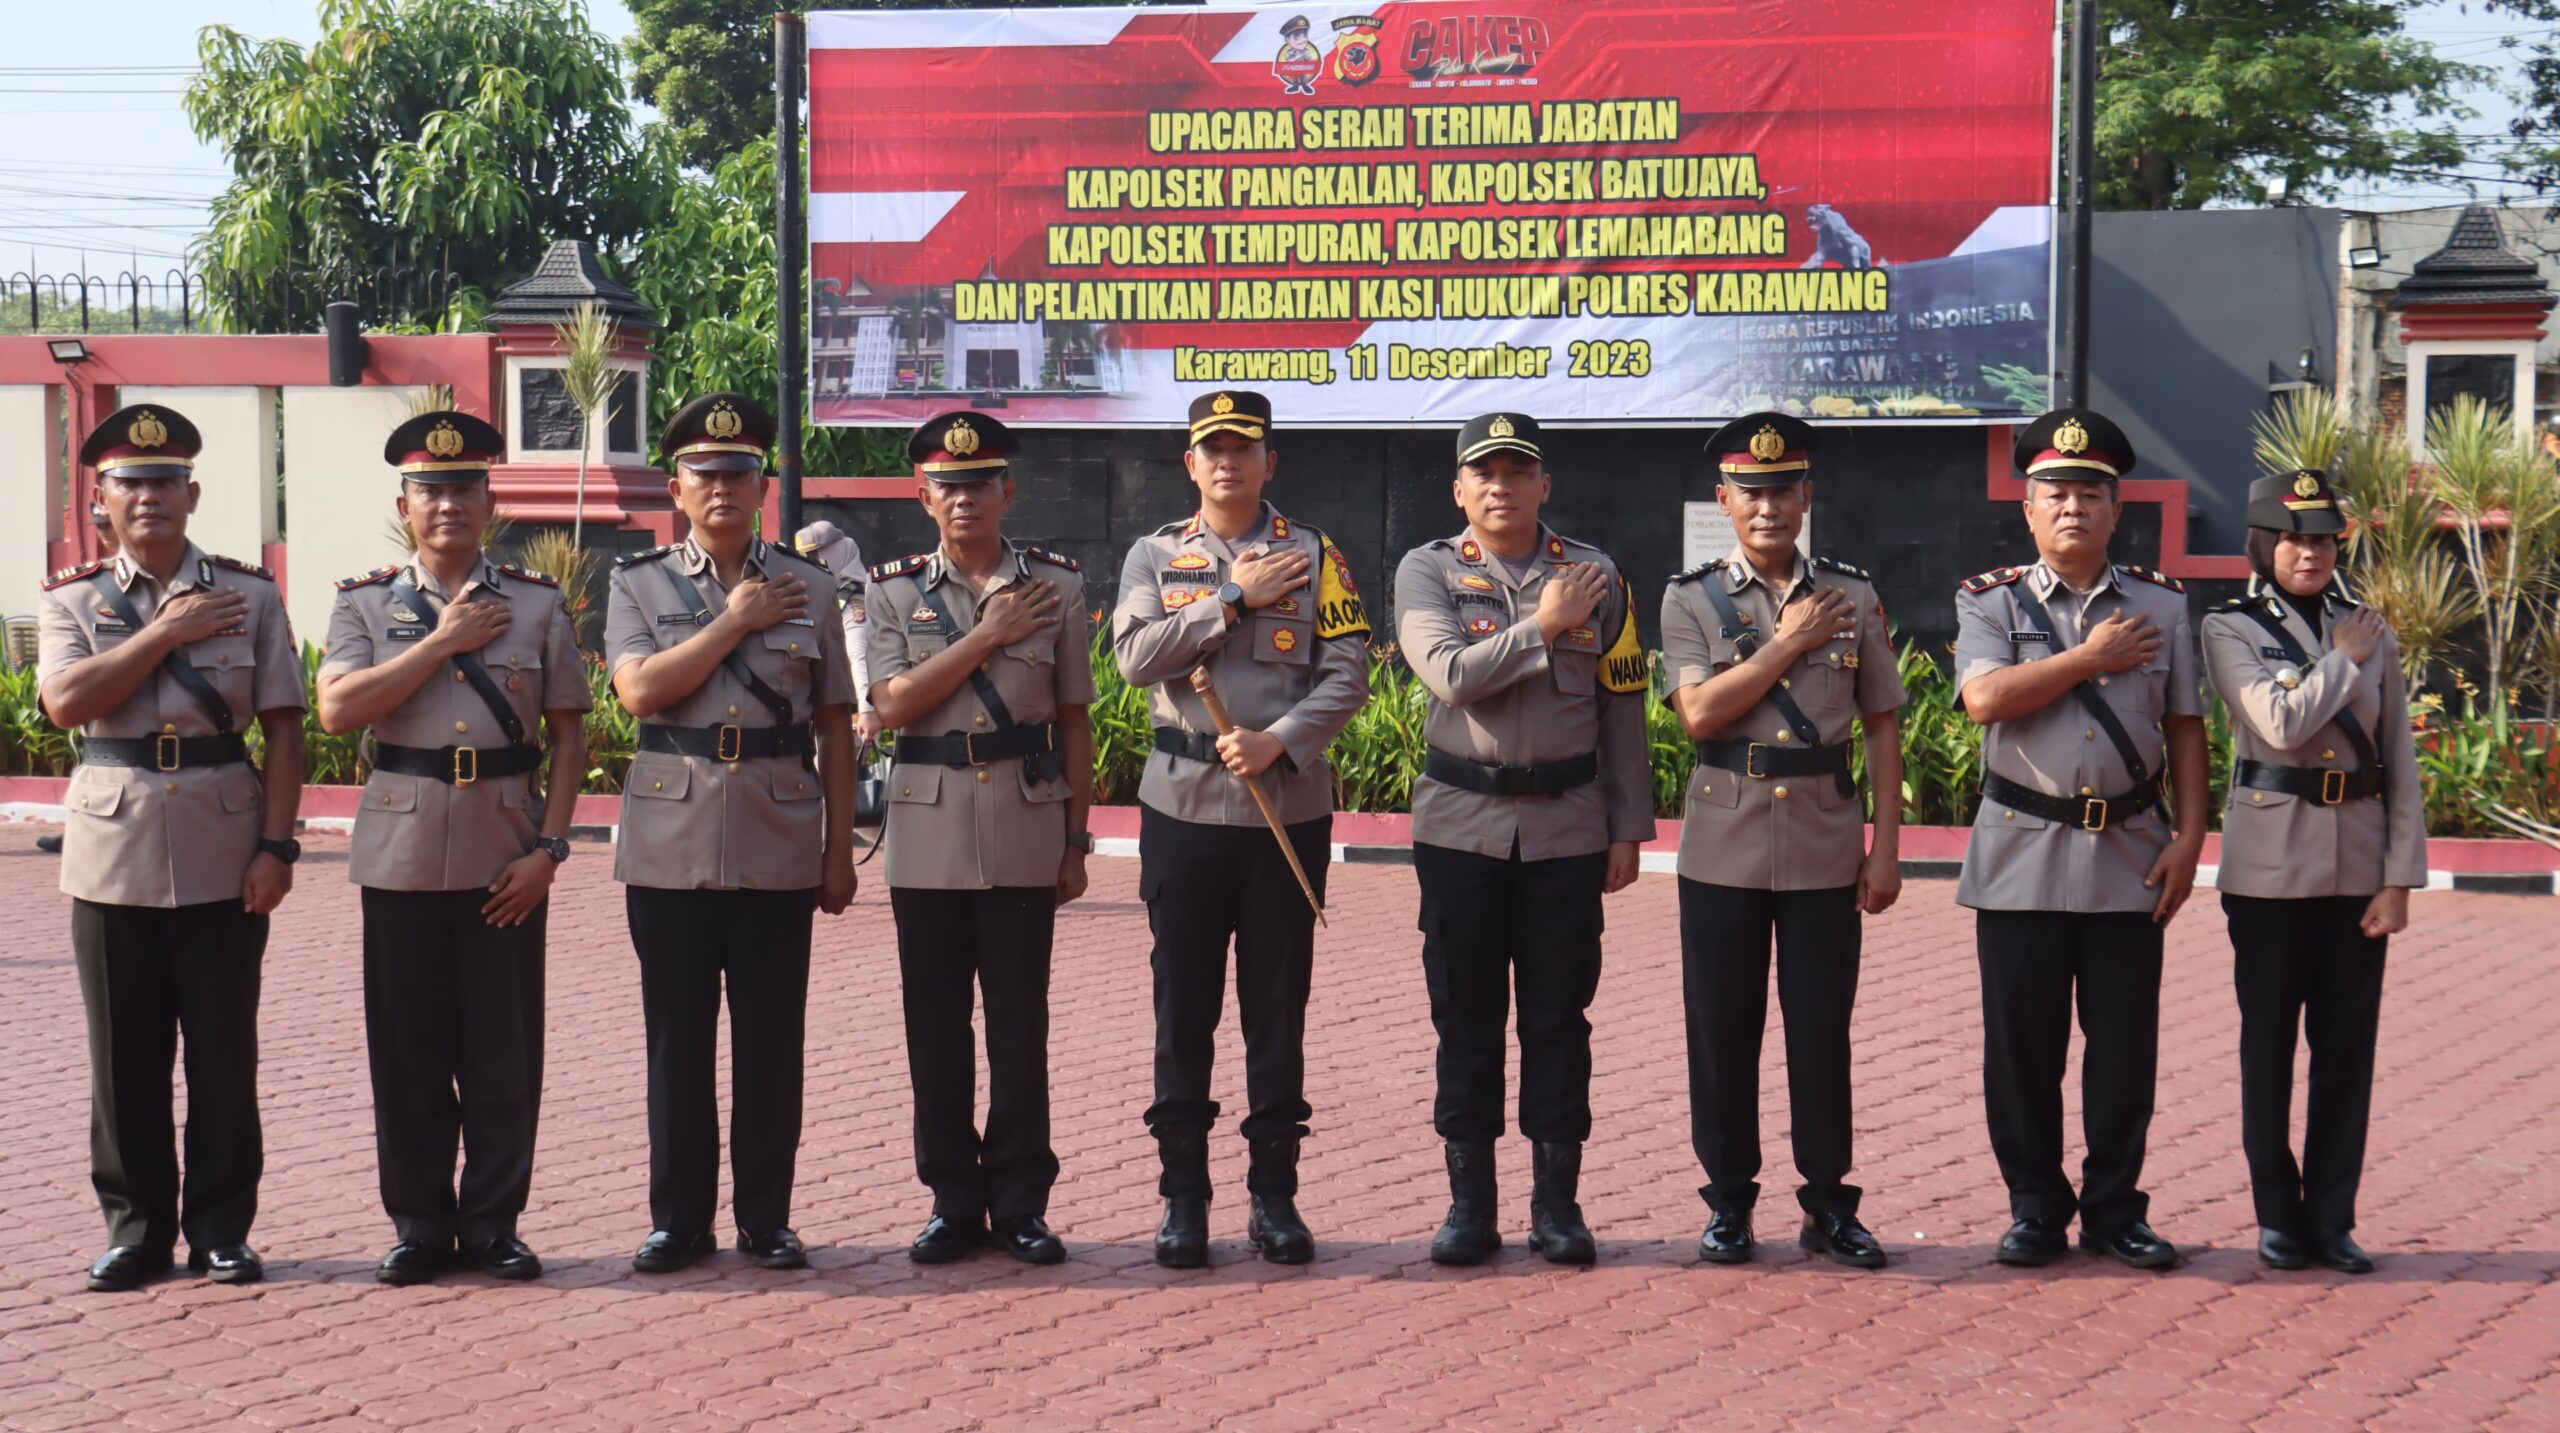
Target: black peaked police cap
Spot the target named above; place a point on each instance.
(719, 432)
(960, 447)
(2073, 443)
(1764, 450)
(1231, 410)
(1499, 433)
(2296, 502)
(444, 447)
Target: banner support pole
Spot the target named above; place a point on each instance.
(2071, 381)
(791, 262)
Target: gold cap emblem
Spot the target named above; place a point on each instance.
(444, 441)
(2306, 486)
(723, 421)
(1766, 445)
(2071, 437)
(146, 430)
(1499, 428)
(1222, 404)
(960, 440)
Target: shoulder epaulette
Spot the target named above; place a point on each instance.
(628, 559)
(1701, 570)
(236, 565)
(2236, 604)
(798, 556)
(1045, 555)
(1996, 577)
(2156, 578)
(1171, 529)
(379, 574)
(1844, 569)
(882, 572)
(528, 574)
(74, 574)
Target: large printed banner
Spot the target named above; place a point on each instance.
(1386, 213)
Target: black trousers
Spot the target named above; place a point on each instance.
(2306, 965)
(954, 946)
(1203, 885)
(1490, 921)
(148, 974)
(2032, 964)
(689, 941)
(453, 1030)
(1724, 983)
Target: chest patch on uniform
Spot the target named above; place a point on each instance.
(1480, 584)
(1189, 562)
(676, 618)
(108, 621)
(1581, 637)
(407, 634)
(403, 614)
(857, 610)
(1284, 639)
(1183, 579)
(2031, 636)
(2275, 652)
(1285, 607)
(1481, 626)
(1178, 598)
(924, 617)
(800, 621)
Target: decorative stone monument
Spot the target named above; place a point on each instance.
(538, 480)
(2471, 315)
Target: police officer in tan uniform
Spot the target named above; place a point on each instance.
(1268, 606)
(1772, 656)
(841, 555)
(2083, 674)
(454, 659)
(981, 652)
(1533, 798)
(736, 823)
(2323, 838)
(177, 847)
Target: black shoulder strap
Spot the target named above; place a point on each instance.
(2366, 751)
(1746, 642)
(215, 708)
(2102, 713)
(736, 661)
(999, 716)
(407, 594)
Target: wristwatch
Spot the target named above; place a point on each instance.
(1233, 597)
(1080, 841)
(287, 850)
(556, 847)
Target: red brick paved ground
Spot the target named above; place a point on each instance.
(2461, 1327)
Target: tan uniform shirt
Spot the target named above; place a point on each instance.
(1298, 669)
(415, 833)
(852, 604)
(970, 829)
(2276, 844)
(2015, 861)
(1788, 833)
(173, 838)
(1500, 695)
(695, 823)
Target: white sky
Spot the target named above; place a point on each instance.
(97, 168)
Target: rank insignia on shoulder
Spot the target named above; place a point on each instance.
(1279, 528)
(379, 574)
(2156, 578)
(1701, 570)
(236, 565)
(528, 574)
(1842, 568)
(1996, 577)
(1058, 558)
(1469, 552)
(74, 574)
(644, 556)
(900, 568)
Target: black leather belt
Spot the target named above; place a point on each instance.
(1755, 758)
(1546, 778)
(727, 743)
(1189, 745)
(2089, 813)
(456, 765)
(961, 749)
(2314, 783)
(164, 753)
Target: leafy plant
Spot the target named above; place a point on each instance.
(2504, 499)
(1122, 730)
(587, 375)
(1377, 755)
(557, 554)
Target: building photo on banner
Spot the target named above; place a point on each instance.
(1598, 214)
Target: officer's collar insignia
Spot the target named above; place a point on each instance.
(1279, 527)
(1555, 546)
(1192, 528)
(2071, 437)
(1469, 552)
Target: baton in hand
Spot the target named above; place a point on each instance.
(1207, 687)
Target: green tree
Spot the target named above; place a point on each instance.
(708, 67)
(455, 135)
(2200, 102)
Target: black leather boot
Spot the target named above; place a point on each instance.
(1273, 1225)
(1468, 1235)
(1556, 1229)
(1182, 1239)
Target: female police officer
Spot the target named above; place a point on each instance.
(2321, 844)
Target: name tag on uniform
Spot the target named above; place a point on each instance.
(2275, 652)
(2031, 636)
(407, 634)
(113, 629)
(676, 618)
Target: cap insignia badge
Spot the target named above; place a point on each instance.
(2071, 437)
(1766, 445)
(1500, 427)
(444, 440)
(1222, 404)
(960, 440)
(146, 430)
(2306, 486)
(723, 421)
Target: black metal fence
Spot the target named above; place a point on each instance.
(181, 301)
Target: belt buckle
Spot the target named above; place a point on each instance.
(2093, 813)
(727, 742)
(2333, 787)
(466, 765)
(1751, 754)
(164, 752)
(969, 749)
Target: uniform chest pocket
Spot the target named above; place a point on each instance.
(794, 782)
(915, 784)
(1277, 639)
(658, 777)
(101, 799)
(1715, 786)
(1037, 650)
(1819, 678)
(1574, 669)
(792, 642)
